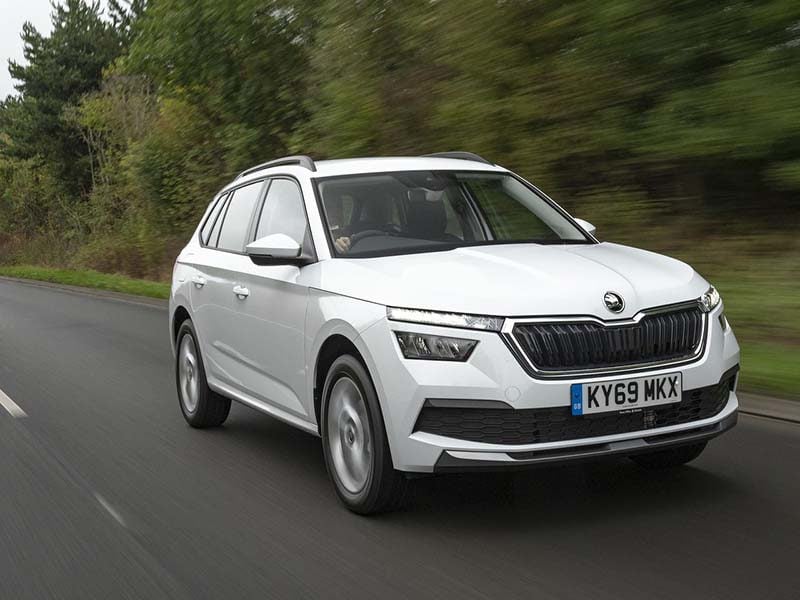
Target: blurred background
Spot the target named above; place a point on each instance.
(671, 125)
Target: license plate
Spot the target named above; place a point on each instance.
(625, 394)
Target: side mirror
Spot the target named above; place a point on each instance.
(277, 246)
(586, 226)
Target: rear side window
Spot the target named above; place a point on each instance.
(214, 235)
(283, 212)
(205, 231)
(236, 222)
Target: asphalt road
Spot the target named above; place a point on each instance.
(105, 492)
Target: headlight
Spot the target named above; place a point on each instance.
(710, 299)
(428, 317)
(434, 347)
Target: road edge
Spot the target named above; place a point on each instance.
(95, 292)
(766, 406)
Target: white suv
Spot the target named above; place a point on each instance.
(440, 313)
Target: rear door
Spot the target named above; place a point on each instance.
(273, 315)
(218, 270)
(200, 261)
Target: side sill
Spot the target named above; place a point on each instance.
(265, 408)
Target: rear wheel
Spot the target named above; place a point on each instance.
(355, 443)
(671, 458)
(200, 405)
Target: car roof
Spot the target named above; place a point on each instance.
(384, 164)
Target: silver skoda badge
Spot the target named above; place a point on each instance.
(614, 302)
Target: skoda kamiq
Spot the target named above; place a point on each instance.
(440, 313)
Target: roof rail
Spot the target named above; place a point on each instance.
(461, 156)
(300, 160)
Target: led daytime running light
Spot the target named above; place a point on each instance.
(427, 317)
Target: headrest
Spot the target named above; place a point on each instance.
(427, 219)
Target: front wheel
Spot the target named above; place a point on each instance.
(355, 443)
(670, 458)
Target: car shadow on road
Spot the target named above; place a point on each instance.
(283, 450)
(567, 495)
(541, 497)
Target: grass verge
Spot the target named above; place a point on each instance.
(90, 279)
(771, 369)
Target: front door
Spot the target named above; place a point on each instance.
(272, 339)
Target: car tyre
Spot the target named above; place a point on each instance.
(671, 458)
(355, 443)
(201, 406)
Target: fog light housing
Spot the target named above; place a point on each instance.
(434, 347)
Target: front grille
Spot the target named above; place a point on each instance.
(540, 425)
(585, 346)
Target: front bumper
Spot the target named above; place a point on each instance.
(493, 375)
(453, 460)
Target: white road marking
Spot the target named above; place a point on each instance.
(13, 409)
(110, 509)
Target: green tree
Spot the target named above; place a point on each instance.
(635, 110)
(372, 80)
(58, 70)
(125, 18)
(665, 100)
(240, 63)
(111, 121)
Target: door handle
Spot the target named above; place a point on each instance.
(198, 281)
(241, 292)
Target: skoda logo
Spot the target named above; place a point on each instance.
(614, 302)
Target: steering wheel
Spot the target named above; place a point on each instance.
(357, 237)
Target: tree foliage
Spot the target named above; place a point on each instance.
(58, 70)
(241, 63)
(125, 124)
(370, 82)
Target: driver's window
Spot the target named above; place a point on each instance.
(283, 212)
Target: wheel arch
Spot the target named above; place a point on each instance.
(334, 346)
(333, 327)
(179, 315)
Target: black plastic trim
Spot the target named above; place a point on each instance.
(512, 340)
(268, 261)
(465, 403)
(522, 460)
(469, 420)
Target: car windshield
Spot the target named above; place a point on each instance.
(417, 211)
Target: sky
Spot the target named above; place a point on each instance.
(13, 13)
